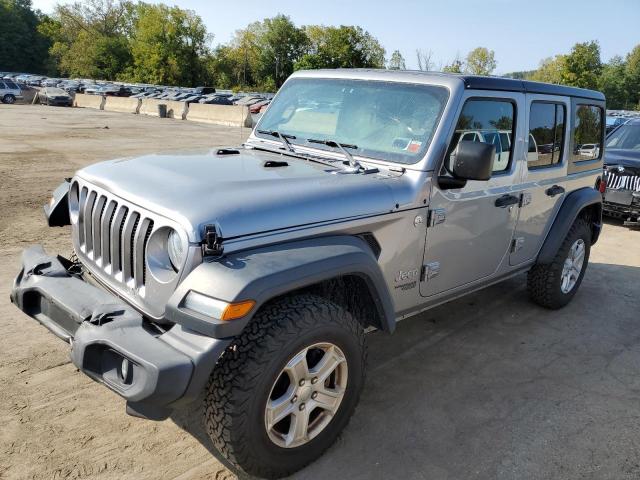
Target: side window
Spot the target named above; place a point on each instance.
(488, 121)
(546, 134)
(587, 133)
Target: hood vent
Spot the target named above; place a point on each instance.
(228, 151)
(275, 164)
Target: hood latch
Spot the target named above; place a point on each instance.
(212, 242)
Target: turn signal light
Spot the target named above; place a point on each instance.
(237, 310)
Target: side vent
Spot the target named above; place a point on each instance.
(373, 244)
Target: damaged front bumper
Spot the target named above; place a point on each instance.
(155, 371)
(623, 204)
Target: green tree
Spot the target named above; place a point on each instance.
(612, 83)
(550, 70)
(281, 44)
(456, 66)
(396, 62)
(481, 61)
(90, 39)
(169, 46)
(23, 47)
(632, 78)
(582, 66)
(341, 47)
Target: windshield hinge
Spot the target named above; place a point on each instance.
(212, 241)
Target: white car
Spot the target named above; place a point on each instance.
(500, 138)
(9, 91)
(590, 150)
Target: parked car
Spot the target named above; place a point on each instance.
(248, 284)
(216, 100)
(115, 91)
(93, 89)
(589, 150)
(204, 90)
(621, 186)
(9, 91)
(55, 96)
(256, 107)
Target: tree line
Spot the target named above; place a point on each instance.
(123, 40)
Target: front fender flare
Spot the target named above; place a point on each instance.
(267, 272)
(571, 207)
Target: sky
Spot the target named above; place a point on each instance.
(521, 32)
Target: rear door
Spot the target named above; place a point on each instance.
(470, 228)
(544, 174)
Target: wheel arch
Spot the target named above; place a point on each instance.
(584, 203)
(341, 268)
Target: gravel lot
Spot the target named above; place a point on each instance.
(487, 387)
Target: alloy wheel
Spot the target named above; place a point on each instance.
(306, 395)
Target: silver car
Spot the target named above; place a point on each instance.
(9, 91)
(246, 278)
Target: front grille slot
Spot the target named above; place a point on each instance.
(114, 237)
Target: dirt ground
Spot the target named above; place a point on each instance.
(487, 387)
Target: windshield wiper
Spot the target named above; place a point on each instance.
(353, 163)
(283, 137)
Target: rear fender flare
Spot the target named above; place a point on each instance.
(574, 203)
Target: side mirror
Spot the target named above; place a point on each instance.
(473, 161)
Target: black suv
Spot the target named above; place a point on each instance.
(622, 173)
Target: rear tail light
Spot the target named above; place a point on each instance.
(602, 184)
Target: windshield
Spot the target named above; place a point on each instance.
(385, 121)
(625, 137)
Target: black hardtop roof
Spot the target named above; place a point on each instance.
(526, 86)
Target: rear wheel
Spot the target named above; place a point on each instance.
(8, 98)
(553, 285)
(287, 386)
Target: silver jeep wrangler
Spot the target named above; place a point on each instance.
(246, 278)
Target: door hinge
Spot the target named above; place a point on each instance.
(517, 244)
(429, 271)
(437, 216)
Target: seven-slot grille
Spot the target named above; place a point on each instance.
(113, 236)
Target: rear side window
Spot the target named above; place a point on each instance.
(546, 134)
(587, 133)
(487, 121)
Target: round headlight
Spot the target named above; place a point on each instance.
(176, 250)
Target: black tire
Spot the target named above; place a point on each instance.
(9, 99)
(544, 280)
(241, 382)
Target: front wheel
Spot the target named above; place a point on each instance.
(287, 386)
(10, 99)
(553, 285)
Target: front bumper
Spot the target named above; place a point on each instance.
(623, 204)
(166, 368)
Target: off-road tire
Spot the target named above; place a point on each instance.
(9, 99)
(241, 382)
(544, 280)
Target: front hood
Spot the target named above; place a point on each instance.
(239, 194)
(626, 158)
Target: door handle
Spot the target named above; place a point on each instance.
(555, 190)
(506, 200)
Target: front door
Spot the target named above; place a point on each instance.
(470, 229)
(544, 173)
